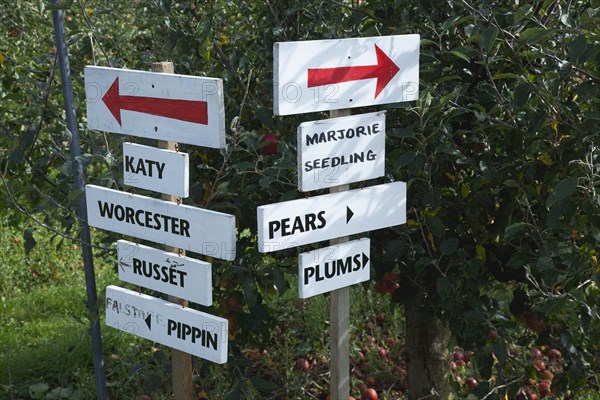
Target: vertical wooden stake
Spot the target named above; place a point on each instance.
(183, 388)
(339, 314)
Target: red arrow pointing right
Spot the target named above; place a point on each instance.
(383, 71)
(195, 111)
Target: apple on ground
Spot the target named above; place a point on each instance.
(369, 394)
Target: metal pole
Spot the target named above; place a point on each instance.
(84, 229)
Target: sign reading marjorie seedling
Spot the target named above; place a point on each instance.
(320, 75)
(333, 267)
(314, 219)
(185, 329)
(166, 272)
(189, 228)
(160, 170)
(171, 107)
(341, 150)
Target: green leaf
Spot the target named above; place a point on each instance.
(29, 240)
(64, 393)
(562, 190)
(511, 183)
(501, 351)
(37, 390)
(460, 55)
(577, 48)
(449, 246)
(250, 293)
(515, 231)
(534, 35)
(264, 386)
(443, 287)
(488, 37)
(506, 75)
(401, 132)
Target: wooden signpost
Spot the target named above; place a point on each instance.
(337, 75)
(170, 108)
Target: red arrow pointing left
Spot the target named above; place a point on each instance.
(195, 111)
(383, 71)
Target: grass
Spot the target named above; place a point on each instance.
(45, 350)
(43, 318)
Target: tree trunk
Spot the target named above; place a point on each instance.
(427, 341)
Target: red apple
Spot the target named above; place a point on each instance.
(270, 144)
(532, 396)
(458, 356)
(544, 388)
(383, 353)
(471, 382)
(536, 353)
(302, 364)
(539, 365)
(554, 354)
(369, 394)
(453, 366)
(492, 334)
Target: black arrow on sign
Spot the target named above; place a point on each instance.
(365, 260)
(349, 214)
(149, 321)
(123, 264)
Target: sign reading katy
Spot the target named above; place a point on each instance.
(321, 75)
(171, 107)
(163, 171)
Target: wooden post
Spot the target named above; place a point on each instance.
(183, 388)
(339, 314)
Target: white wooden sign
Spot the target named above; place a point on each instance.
(165, 272)
(320, 75)
(172, 107)
(190, 228)
(334, 267)
(341, 150)
(160, 170)
(184, 329)
(297, 222)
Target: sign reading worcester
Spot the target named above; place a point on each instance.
(203, 231)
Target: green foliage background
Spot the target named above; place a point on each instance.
(500, 152)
